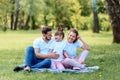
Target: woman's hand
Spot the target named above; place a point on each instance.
(85, 45)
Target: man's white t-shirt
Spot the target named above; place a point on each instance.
(42, 45)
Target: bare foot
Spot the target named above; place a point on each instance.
(76, 68)
(27, 68)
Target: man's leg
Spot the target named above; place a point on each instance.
(33, 62)
(45, 63)
(29, 57)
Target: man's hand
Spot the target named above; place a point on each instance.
(54, 55)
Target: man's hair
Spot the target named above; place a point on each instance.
(45, 30)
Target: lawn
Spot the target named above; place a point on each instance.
(102, 53)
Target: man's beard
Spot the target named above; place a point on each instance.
(47, 39)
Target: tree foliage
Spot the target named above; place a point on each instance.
(30, 14)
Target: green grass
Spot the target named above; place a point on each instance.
(102, 53)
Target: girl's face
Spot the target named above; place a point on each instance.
(71, 37)
(58, 38)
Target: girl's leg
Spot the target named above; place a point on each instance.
(82, 56)
(53, 64)
(60, 66)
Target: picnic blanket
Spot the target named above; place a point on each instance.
(86, 69)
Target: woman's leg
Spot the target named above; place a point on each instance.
(67, 62)
(81, 57)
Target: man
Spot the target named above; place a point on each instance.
(38, 56)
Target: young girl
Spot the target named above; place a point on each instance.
(57, 47)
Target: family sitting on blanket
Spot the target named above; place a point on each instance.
(56, 53)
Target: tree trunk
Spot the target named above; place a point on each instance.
(17, 14)
(45, 20)
(33, 22)
(113, 8)
(12, 20)
(12, 15)
(16, 20)
(29, 15)
(21, 20)
(96, 21)
(27, 22)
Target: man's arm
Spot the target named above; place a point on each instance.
(43, 56)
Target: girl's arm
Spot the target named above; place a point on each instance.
(51, 51)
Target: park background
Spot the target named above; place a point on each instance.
(96, 20)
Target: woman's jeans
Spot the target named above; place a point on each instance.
(33, 62)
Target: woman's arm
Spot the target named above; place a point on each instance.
(85, 45)
(65, 54)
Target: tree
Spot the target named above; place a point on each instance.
(31, 8)
(17, 14)
(100, 6)
(85, 7)
(29, 14)
(62, 13)
(113, 8)
(12, 14)
(21, 23)
(46, 11)
(96, 27)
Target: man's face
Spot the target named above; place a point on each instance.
(48, 35)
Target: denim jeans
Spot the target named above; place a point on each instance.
(33, 62)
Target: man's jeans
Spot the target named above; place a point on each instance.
(33, 61)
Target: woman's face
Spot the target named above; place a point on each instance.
(71, 37)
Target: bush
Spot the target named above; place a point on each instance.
(104, 23)
(3, 28)
(105, 26)
(84, 26)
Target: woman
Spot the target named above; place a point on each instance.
(72, 43)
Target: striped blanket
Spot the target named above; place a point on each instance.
(86, 69)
